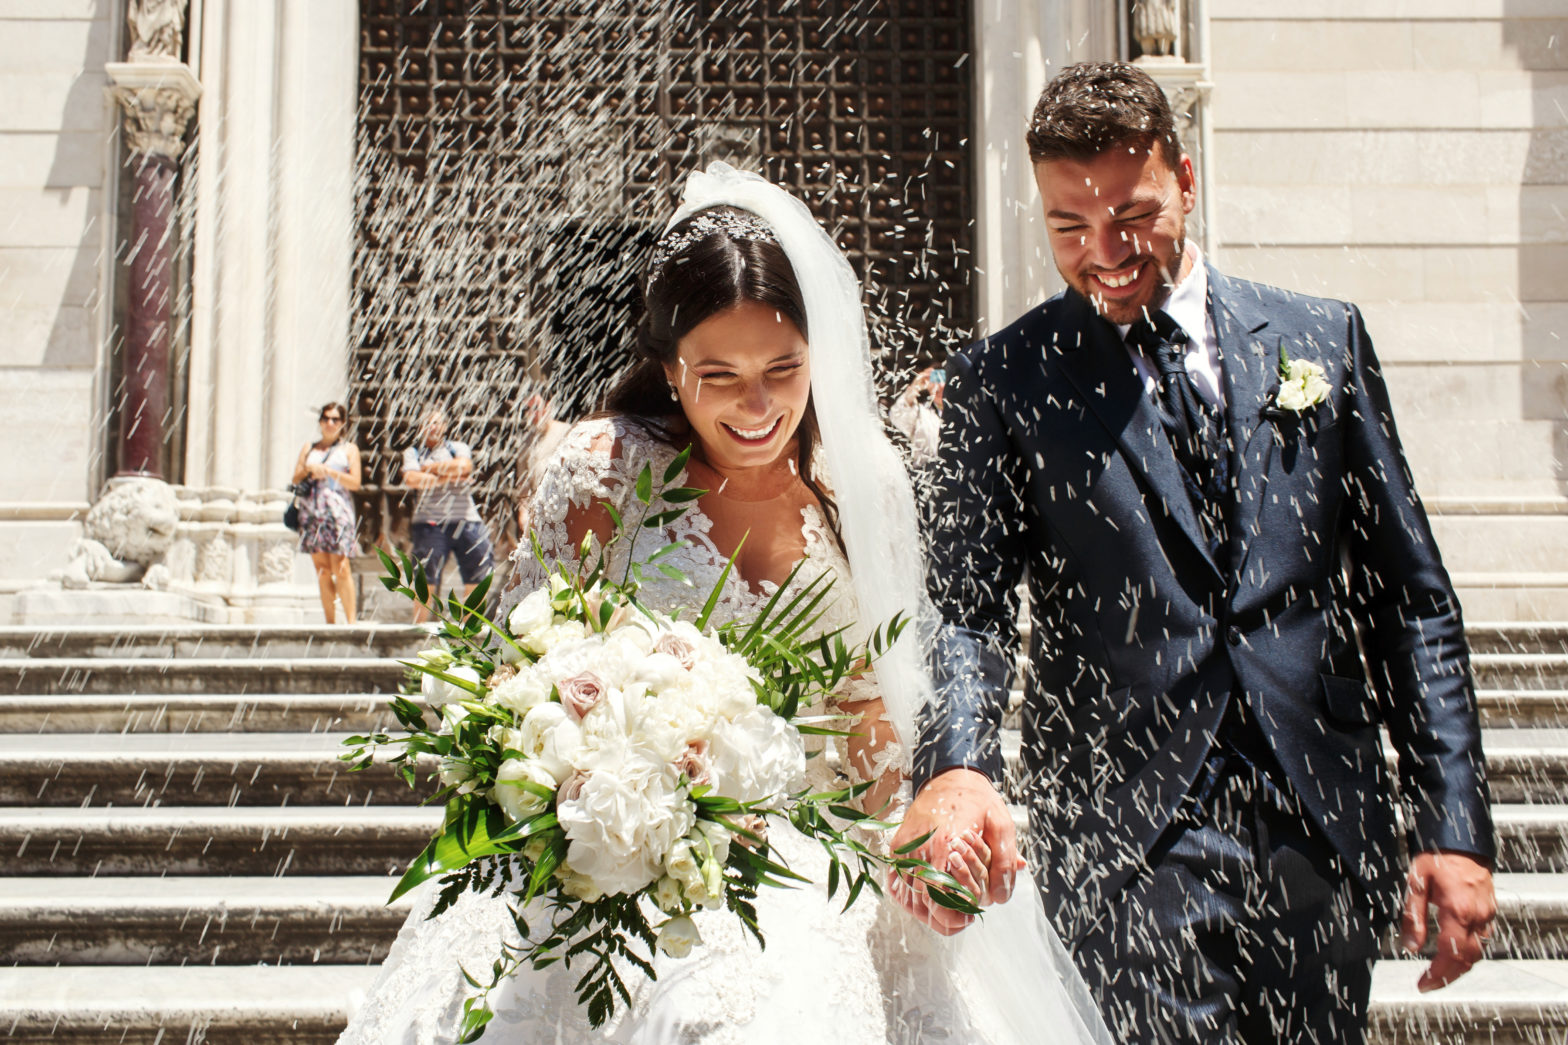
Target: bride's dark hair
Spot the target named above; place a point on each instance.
(697, 281)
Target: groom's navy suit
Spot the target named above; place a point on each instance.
(1150, 648)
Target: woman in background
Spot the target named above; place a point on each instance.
(329, 468)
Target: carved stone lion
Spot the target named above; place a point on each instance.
(135, 520)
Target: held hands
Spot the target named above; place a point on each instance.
(972, 839)
(1460, 887)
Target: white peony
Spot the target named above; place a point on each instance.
(517, 801)
(622, 824)
(438, 692)
(678, 936)
(756, 757)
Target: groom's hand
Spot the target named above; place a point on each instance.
(972, 839)
(1460, 887)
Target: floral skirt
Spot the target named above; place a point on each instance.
(327, 522)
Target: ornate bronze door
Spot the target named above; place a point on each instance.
(516, 158)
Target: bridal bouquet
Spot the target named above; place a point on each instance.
(621, 765)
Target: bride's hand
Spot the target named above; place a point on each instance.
(972, 838)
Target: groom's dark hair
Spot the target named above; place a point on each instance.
(1094, 106)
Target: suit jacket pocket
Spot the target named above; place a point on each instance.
(1071, 731)
(1347, 701)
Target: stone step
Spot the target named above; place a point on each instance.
(204, 769)
(1520, 671)
(303, 919)
(1523, 765)
(1522, 637)
(1524, 596)
(258, 840)
(150, 675)
(1511, 1002)
(212, 642)
(162, 1005)
(187, 713)
(298, 920)
(1527, 708)
(1498, 1003)
(363, 712)
(243, 840)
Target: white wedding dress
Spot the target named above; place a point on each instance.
(826, 974)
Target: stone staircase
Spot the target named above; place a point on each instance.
(184, 857)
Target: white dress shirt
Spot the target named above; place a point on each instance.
(1188, 305)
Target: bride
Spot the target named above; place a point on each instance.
(753, 351)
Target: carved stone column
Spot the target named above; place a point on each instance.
(157, 93)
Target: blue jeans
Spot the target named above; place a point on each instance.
(433, 542)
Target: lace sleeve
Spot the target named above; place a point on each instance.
(597, 461)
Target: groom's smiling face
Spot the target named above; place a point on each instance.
(1117, 224)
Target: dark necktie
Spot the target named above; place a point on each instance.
(1194, 427)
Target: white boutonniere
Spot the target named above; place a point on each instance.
(1303, 384)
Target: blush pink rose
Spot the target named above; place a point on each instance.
(678, 648)
(572, 788)
(693, 763)
(581, 693)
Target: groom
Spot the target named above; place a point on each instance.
(1232, 586)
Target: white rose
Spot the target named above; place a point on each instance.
(505, 737)
(517, 801)
(549, 737)
(678, 936)
(531, 617)
(623, 822)
(756, 757)
(438, 691)
(1291, 397)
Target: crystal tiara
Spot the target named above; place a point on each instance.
(736, 224)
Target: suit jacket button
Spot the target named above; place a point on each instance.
(1233, 635)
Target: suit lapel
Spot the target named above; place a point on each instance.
(1100, 369)
(1249, 362)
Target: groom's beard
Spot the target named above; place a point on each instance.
(1156, 276)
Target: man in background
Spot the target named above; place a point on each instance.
(446, 521)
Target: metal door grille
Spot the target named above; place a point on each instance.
(515, 160)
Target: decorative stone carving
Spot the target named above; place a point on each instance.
(277, 563)
(159, 100)
(135, 520)
(91, 563)
(1156, 25)
(157, 29)
(215, 561)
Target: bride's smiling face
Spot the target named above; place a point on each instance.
(744, 380)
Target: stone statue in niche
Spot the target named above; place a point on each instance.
(1156, 25)
(157, 29)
